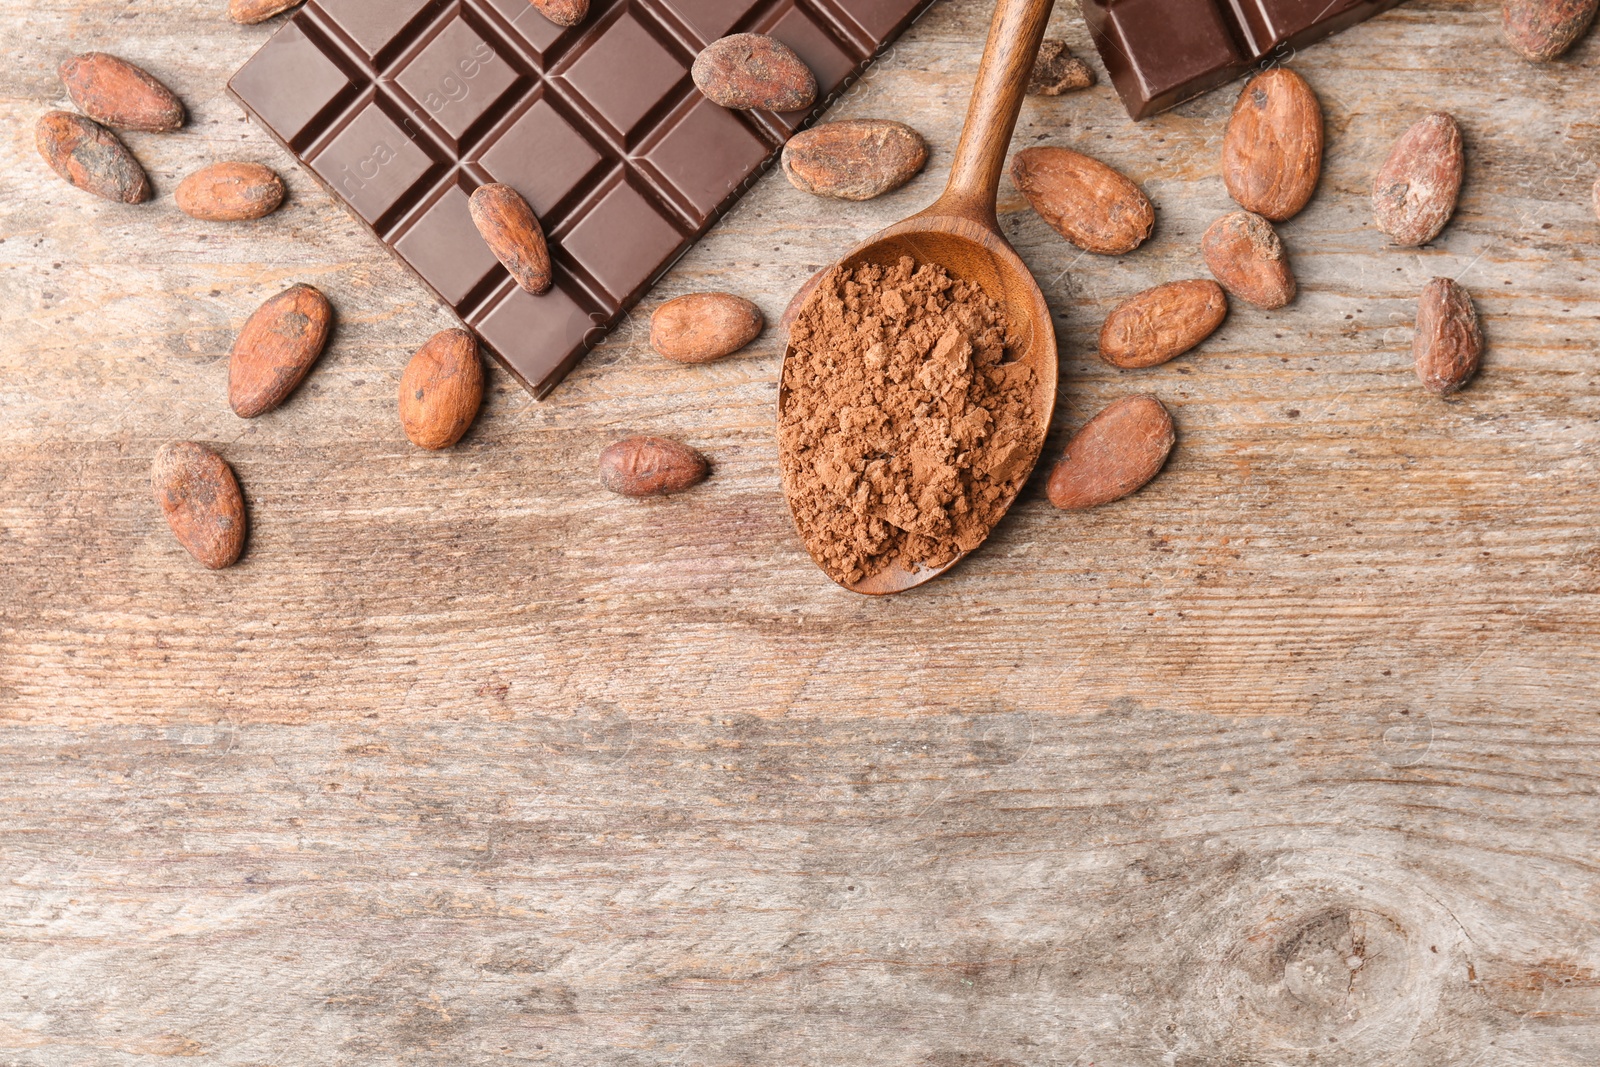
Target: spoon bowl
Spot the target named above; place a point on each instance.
(960, 233)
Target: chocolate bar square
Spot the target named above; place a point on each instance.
(455, 78)
(322, 84)
(372, 163)
(542, 155)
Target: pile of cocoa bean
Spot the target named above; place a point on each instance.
(198, 491)
(1271, 165)
(1272, 158)
(441, 389)
(112, 94)
(195, 487)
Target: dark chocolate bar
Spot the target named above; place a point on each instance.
(1162, 52)
(402, 108)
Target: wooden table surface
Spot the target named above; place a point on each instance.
(1288, 759)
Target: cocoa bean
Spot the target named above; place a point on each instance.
(1162, 323)
(250, 12)
(276, 349)
(701, 327)
(563, 12)
(512, 232)
(230, 192)
(1056, 70)
(651, 466)
(1541, 30)
(116, 93)
(1449, 343)
(91, 157)
(1244, 253)
(1415, 191)
(754, 71)
(1116, 453)
(1272, 152)
(856, 159)
(200, 497)
(1087, 202)
(442, 390)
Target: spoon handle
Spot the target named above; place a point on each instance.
(1014, 37)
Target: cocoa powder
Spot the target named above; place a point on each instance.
(906, 430)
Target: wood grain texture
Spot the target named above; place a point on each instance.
(1288, 759)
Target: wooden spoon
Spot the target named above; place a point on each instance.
(960, 233)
